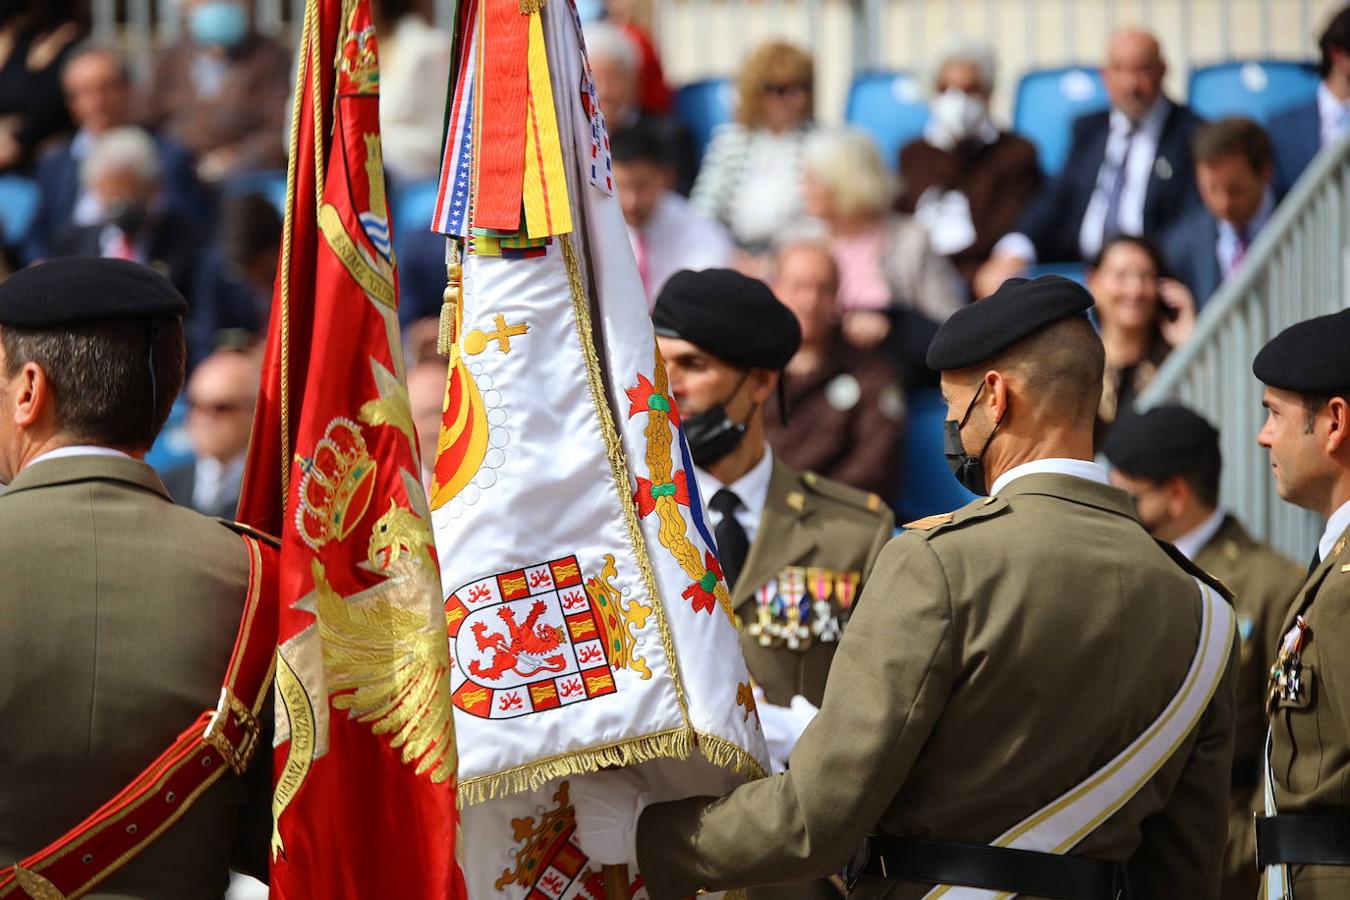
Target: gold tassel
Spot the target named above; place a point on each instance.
(450, 301)
(530, 7)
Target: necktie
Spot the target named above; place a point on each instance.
(732, 542)
(1241, 253)
(1316, 560)
(1111, 223)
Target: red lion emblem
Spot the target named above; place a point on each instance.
(525, 651)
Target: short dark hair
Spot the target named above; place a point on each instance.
(1202, 474)
(639, 143)
(1336, 37)
(99, 371)
(1235, 135)
(1145, 244)
(1314, 401)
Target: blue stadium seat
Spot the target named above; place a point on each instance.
(1255, 88)
(702, 106)
(19, 199)
(1047, 102)
(891, 107)
(927, 486)
(413, 207)
(1076, 271)
(172, 448)
(271, 183)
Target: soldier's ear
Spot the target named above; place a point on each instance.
(998, 394)
(32, 395)
(1338, 431)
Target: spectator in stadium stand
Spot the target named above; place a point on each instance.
(893, 286)
(414, 74)
(1301, 131)
(667, 234)
(220, 90)
(35, 38)
(1129, 170)
(98, 91)
(844, 409)
(616, 61)
(751, 178)
(233, 310)
(1234, 170)
(966, 179)
(1141, 315)
(653, 93)
(221, 395)
(124, 173)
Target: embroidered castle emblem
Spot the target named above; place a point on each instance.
(529, 640)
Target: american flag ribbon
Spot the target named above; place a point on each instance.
(452, 196)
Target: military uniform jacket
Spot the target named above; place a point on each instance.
(811, 530)
(118, 611)
(1263, 583)
(1310, 727)
(995, 660)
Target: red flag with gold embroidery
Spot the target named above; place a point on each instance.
(364, 759)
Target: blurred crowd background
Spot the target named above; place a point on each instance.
(878, 164)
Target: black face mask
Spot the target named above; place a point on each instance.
(969, 470)
(712, 434)
(129, 217)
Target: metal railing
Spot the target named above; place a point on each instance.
(1297, 268)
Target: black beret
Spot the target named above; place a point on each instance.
(1162, 442)
(1312, 356)
(78, 289)
(1019, 308)
(734, 317)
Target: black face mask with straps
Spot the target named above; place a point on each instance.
(712, 434)
(968, 469)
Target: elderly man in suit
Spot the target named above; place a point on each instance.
(221, 395)
(1301, 131)
(98, 91)
(1129, 170)
(118, 610)
(1235, 173)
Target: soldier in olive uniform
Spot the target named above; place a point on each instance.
(1033, 695)
(1168, 460)
(1303, 843)
(117, 607)
(796, 548)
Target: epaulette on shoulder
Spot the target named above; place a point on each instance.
(241, 528)
(1191, 568)
(842, 493)
(973, 511)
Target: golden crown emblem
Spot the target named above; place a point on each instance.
(335, 486)
(360, 60)
(540, 844)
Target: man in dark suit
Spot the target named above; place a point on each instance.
(1129, 170)
(1301, 131)
(97, 87)
(221, 395)
(1234, 171)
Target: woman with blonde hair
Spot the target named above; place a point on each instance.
(887, 268)
(751, 178)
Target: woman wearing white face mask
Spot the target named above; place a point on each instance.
(966, 180)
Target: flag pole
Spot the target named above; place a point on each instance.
(616, 882)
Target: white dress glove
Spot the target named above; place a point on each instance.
(607, 805)
(783, 725)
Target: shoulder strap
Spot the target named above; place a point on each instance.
(223, 738)
(1066, 821)
(1275, 877)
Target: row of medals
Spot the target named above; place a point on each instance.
(794, 608)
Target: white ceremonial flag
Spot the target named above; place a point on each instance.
(589, 625)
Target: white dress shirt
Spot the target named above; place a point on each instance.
(674, 238)
(752, 488)
(1332, 115)
(1336, 526)
(88, 208)
(1143, 147)
(215, 480)
(1227, 247)
(76, 450)
(1193, 541)
(1054, 465)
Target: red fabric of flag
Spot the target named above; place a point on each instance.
(364, 762)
